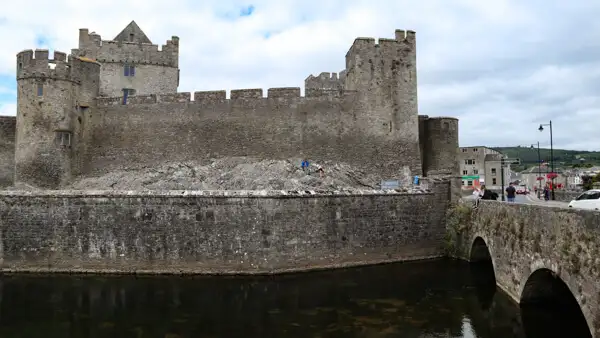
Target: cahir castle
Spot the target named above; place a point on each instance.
(113, 104)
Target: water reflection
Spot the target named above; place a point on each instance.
(426, 299)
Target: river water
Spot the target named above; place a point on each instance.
(441, 298)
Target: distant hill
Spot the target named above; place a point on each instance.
(562, 157)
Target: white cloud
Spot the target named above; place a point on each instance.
(501, 66)
(9, 109)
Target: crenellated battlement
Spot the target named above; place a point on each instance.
(220, 96)
(37, 64)
(107, 51)
(403, 46)
(325, 80)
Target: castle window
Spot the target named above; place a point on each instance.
(129, 70)
(40, 89)
(126, 93)
(131, 37)
(63, 138)
(20, 65)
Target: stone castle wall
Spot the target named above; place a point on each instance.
(7, 150)
(217, 232)
(323, 125)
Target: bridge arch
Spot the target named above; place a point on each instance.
(482, 272)
(480, 250)
(545, 290)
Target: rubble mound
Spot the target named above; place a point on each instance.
(233, 173)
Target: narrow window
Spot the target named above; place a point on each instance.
(126, 93)
(40, 89)
(131, 37)
(494, 181)
(20, 65)
(129, 70)
(63, 138)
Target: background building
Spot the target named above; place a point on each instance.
(481, 165)
(529, 177)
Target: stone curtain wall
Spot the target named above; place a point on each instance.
(7, 150)
(322, 126)
(567, 196)
(524, 238)
(216, 232)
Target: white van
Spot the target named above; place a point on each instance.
(589, 200)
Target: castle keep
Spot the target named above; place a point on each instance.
(114, 104)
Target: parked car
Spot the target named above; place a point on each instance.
(589, 200)
(521, 190)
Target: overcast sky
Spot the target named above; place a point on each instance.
(501, 67)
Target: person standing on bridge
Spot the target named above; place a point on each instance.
(511, 192)
(488, 194)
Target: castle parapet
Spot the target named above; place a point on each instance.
(325, 80)
(320, 92)
(246, 94)
(210, 97)
(283, 93)
(252, 97)
(37, 64)
(175, 97)
(107, 51)
(404, 41)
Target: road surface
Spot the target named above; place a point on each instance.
(533, 200)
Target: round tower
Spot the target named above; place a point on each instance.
(440, 153)
(49, 115)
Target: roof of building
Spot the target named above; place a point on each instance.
(132, 29)
(493, 157)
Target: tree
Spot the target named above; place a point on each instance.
(589, 180)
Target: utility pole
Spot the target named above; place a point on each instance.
(502, 177)
(541, 128)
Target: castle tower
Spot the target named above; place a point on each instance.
(385, 76)
(52, 96)
(439, 145)
(131, 64)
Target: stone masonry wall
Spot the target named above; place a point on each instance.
(524, 238)
(324, 125)
(566, 196)
(216, 232)
(7, 150)
(148, 79)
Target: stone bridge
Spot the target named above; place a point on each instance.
(535, 251)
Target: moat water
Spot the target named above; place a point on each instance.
(426, 299)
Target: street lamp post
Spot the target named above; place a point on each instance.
(541, 128)
(539, 179)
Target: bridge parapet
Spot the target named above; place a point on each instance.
(523, 239)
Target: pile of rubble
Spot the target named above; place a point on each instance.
(234, 173)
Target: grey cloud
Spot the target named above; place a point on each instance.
(511, 80)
